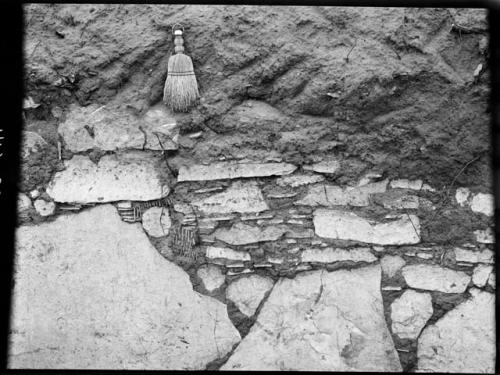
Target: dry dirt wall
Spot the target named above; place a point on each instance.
(329, 198)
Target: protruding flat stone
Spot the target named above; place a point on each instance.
(327, 195)
(91, 292)
(481, 275)
(248, 292)
(320, 321)
(299, 180)
(230, 170)
(409, 313)
(329, 255)
(483, 203)
(325, 166)
(391, 264)
(434, 277)
(343, 225)
(406, 184)
(483, 256)
(156, 221)
(239, 197)
(226, 253)
(132, 176)
(211, 276)
(463, 340)
(242, 234)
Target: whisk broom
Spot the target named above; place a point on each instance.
(181, 88)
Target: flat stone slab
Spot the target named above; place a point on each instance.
(320, 321)
(325, 166)
(470, 256)
(239, 197)
(134, 176)
(434, 277)
(299, 180)
(409, 313)
(328, 195)
(248, 292)
(463, 340)
(113, 129)
(230, 170)
(242, 234)
(91, 292)
(329, 255)
(343, 225)
(213, 252)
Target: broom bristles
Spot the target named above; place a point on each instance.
(181, 88)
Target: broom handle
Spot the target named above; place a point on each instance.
(179, 42)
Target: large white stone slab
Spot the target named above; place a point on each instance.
(434, 277)
(348, 226)
(242, 234)
(328, 195)
(409, 313)
(248, 292)
(463, 340)
(239, 197)
(112, 129)
(91, 292)
(329, 255)
(132, 176)
(230, 170)
(320, 321)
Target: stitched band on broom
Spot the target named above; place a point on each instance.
(181, 88)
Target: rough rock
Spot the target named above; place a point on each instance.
(327, 195)
(485, 236)
(130, 176)
(23, 202)
(463, 340)
(483, 256)
(231, 170)
(481, 275)
(34, 194)
(44, 208)
(391, 264)
(409, 313)
(242, 234)
(348, 226)
(483, 203)
(211, 276)
(247, 292)
(92, 292)
(299, 180)
(434, 277)
(31, 142)
(213, 252)
(156, 221)
(329, 255)
(239, 197)
(397, 199)
(325, 166)
(406, 184)
(492, 280)
(320, 321)
(462, 195)
(112, 129)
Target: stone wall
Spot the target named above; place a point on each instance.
(316, 258)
